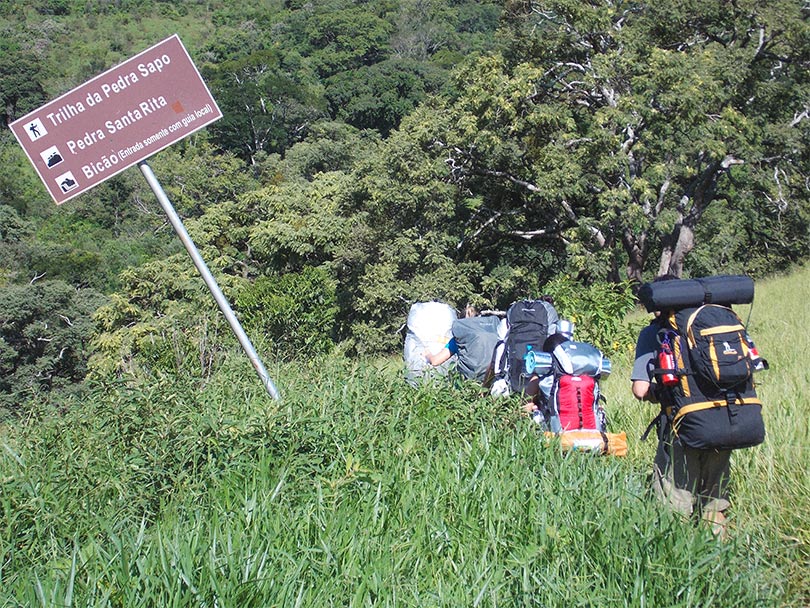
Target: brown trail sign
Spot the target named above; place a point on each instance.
(117, 120)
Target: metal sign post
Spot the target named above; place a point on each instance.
(180, 229)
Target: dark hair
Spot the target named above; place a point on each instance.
(471, 311)
(553, 341)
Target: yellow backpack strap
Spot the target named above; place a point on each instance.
(705, 405)
(681, 357)
(690, 335)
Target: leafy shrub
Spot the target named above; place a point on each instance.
(162, 322)
(598, 311)
(297, 311)
(45, 330)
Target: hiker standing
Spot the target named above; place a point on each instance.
(528, 324)
(683, 478)
(696, 359)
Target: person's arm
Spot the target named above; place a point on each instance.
(642, 390)
(646, 347)
(531, 391)
(439, 358)
(450, 349)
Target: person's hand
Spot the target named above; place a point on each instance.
(528, 408)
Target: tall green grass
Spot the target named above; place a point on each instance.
(357, 490)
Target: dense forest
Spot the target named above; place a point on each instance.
(374, 153)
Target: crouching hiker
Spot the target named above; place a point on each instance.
(695, 359)
(474, 340)
(451, 348)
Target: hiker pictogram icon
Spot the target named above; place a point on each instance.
(36, 129)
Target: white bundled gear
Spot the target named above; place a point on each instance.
(500, 384)
(429, 329)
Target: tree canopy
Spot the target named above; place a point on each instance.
(377, 153)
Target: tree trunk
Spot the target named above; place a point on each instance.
(636, 250)
(682, 241)
(696, 198)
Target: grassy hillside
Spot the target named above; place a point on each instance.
(356, 490)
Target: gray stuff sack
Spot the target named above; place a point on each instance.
(476, 338)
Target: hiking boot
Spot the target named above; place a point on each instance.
(718, 523)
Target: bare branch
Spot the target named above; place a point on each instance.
(780, 202)
(509, 177)
(662, 191)
(631, 138)
(141, 205)
(480, 229)
(797, 118)
(761, 44)
(598, 235)
(529, 234)
(574, 142)
(610, 96)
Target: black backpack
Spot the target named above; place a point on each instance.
(529, 323)
(714, 403)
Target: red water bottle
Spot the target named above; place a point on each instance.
(666, 363)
